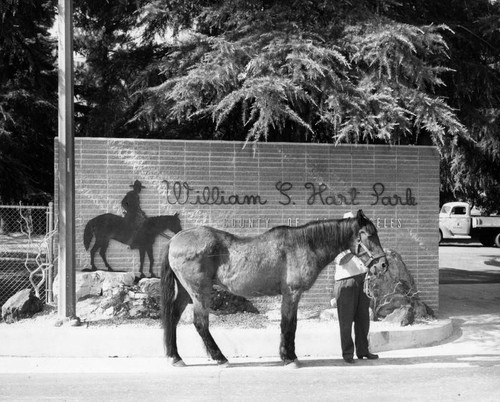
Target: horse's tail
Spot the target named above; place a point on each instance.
(167, 300)
(88, 233)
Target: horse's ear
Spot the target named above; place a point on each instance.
(361, 217)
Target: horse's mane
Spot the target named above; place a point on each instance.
(333, 231)
(336, 231)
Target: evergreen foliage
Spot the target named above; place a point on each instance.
(372, 81)
(370, 71)
(28, 100)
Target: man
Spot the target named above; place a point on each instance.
(352, 306)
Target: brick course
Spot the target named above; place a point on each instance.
(276, 184)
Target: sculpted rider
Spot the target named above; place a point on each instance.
(131, 203)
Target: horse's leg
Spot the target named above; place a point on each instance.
(102, 253)
(174, 299)
(181, 301)
(142, 254)
(200, 313)
(93, 250)
(289, 305)
(149, 251)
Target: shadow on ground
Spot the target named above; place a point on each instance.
(450, 276)
(479, 360)
(476, 360)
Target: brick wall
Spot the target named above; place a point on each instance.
(247, 191)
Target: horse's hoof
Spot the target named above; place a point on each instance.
(223, 363)
(177, 363)
(294, 364)
(93, 269)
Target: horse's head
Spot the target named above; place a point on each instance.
(366, 245)
(175, 224)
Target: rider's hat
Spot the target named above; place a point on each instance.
(137, 185)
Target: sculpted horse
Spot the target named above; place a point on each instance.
(108, 226)
(282, 261)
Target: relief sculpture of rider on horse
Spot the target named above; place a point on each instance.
(134, 229)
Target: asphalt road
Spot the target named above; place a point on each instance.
(468, 263)
(465, 367)
(320, 382)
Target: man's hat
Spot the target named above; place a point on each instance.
(137, 185)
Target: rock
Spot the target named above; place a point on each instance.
(115, 294)
(150, 286)
(138, 311)
(86, 284)
(109, 311)
(403, 316)
(223, 302)
(23, 304)
(114, 302)
(137, 295)
(395, 292)
(96, 283)
(117, 279)
(152, 306)
(329, 314)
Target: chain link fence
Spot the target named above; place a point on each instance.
(26, 250)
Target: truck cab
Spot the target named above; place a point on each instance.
(455, 221)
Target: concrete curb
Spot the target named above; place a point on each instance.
(312, 340)
(411, 336)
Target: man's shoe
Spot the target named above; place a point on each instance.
(349, 360)
(369, 356)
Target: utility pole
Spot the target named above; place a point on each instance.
(66, 167)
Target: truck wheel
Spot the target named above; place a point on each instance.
(497, 240)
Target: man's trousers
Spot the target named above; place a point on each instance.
(353, 307)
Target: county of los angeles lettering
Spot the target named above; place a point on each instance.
(181, 193)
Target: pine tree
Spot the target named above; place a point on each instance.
(28, 100)
(286, 78)
(107, 64)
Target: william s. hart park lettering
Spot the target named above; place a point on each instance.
(182, 193)
(391, 200)
(319, 194)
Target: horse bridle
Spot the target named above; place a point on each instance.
(365, 250)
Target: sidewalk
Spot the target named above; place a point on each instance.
(313, 339)
(468, 323)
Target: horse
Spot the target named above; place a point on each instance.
(108, 226)
(282, 261)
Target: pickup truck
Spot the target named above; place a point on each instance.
(457, 223)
